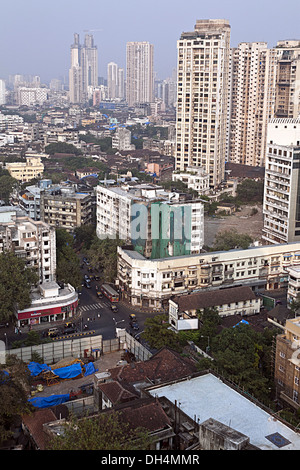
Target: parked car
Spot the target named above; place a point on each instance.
(87, 277)
(69, 330)
(87, 284)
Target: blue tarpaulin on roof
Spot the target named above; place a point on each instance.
(52, 400)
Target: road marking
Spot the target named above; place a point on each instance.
(86, 308)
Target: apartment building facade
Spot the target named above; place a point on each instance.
(202, 98)
(26, 171)
(156, 222)
(253, 85)
(287, 103)
(139, 73)
(34, 241)
(65, 208)
(281, 207)
(151, 282)
(287, 363)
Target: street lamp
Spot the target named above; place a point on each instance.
(208, 347)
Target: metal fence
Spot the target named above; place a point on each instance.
(80, 347)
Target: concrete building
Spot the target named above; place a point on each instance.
(26, 171)
(83, 72)
(156, 222)
(2, 92)
(63, 207)
(287, 364)
(152, 282)
(49, 303)
(184, 309)
(139, 73)
(202, 98)
(115, 81)
(195, 178)
(121, 139)
(288, 79)
(32, 96)
(253, 84)
(228, 419)
(281, 194)
(34, 241)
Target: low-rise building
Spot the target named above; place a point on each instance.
(49, 303)
(152, 282)
(64, 207)
(184, 310)
(26, 171)
(195, 178)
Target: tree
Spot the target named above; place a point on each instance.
(250, 191)
(67, 262)
(231, 239)
(107, 431)
(62, 147)
(14, 389)
(158, 333)
(16, 281)
(102, 254)
(84, 236)
(7, 183)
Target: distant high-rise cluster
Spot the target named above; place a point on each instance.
(83, 72)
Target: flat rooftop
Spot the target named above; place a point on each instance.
(207, 397)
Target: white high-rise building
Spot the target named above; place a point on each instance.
(83, 72)
(139, 73)
(2, 92)
(115, 81)
(253, 83)
(202, 98)
(281, 206)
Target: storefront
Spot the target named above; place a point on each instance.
(54, 308)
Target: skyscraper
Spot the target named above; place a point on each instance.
(202, 98)
(253, 80)
(83, 72)
(288, 79)
(115, 81)
(139, 73)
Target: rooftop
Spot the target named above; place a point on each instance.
(206, 397)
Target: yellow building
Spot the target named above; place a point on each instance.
(24, 172)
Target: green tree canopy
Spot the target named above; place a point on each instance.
(7, 183)
(102, 254)
(158, 334)
(67, 262)
(13, 394)
(231, 239)
(16, 281)
(107, 431)
(62, 147)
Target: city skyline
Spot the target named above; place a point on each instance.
(38, 39)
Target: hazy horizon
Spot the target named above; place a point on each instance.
(36, 37)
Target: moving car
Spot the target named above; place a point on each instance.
(53, 332)
(114, 308)
(134, 325)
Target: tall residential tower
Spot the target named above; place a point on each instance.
(139, 73)
(202, 98)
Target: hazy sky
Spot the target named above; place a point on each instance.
(36, 35)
